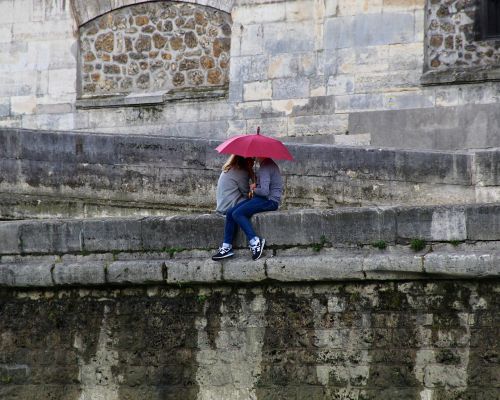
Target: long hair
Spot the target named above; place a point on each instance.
(239, 162)
(234, 161)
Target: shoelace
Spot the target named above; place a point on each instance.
(224, 250)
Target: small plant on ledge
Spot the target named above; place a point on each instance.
(417, 244)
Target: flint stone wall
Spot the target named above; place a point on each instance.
(153, 47)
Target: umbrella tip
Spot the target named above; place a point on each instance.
(258, 130)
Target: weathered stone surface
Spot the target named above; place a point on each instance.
(239, 270)
(135, 272)
(105, 42)
(193, 271)
(318, 268)
(119, 235)
(26, 275)
(83, 274)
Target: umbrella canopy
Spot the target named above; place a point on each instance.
(255, 146)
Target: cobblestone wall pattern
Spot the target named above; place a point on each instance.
(155, 46)
(452, 37)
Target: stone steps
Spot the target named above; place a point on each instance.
(307, 245)
(79, 175)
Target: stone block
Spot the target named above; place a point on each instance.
(26, 275)
(466, 264)
(252, 40)
(290, 88)
(182, 232)
(289, 37)
(483, 222)
(350, 225)
(62, 82)
(437, 167)
(259, 14)
(4, 107)
(9, 237)
(53, 237)
(81, 274)
(360, 139)
(487, 167)
(257, 91)
(359, 102)
(236, 270)
(193, 271)
(303, 10)
(318, 268)
(443, 223)
(392, 265)
(248, 69)
(135, 272)
(112, 235)
(401, 101)
(318, 125)
(369, 30)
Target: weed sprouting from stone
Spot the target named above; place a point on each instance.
(201, 298)
(320, 245)
(417, 244)
(380, 244)
(455, 242)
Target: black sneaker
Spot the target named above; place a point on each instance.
(224, 252)
(257, 249)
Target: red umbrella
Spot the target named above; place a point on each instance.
(255, 146)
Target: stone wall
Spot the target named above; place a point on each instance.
(332, 71)
(64, 174)
(453, 42)
(387, 340)
(154, 46)
(340, 306)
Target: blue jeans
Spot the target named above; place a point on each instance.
(240, 215)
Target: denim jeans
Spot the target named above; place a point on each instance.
(240, 215)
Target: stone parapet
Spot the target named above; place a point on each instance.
(339, 227)
(64, 174)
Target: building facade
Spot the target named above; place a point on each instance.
(389, 73)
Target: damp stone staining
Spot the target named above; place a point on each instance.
(155, 46)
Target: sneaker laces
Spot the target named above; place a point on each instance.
(224, 250)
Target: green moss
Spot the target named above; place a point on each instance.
(417, 244)
(455, 242)
(172, 250)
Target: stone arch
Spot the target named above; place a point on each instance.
(86, 10)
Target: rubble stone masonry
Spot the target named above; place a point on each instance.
(387, 340)
(155, 46)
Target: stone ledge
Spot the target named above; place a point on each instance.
(334, 227)
(343, 265)
(151, 98)
(455, 76)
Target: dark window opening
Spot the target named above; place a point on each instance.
(490, 19)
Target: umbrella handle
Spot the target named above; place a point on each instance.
(258, 130)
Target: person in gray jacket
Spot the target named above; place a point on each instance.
(233, 185)
(267, 194)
